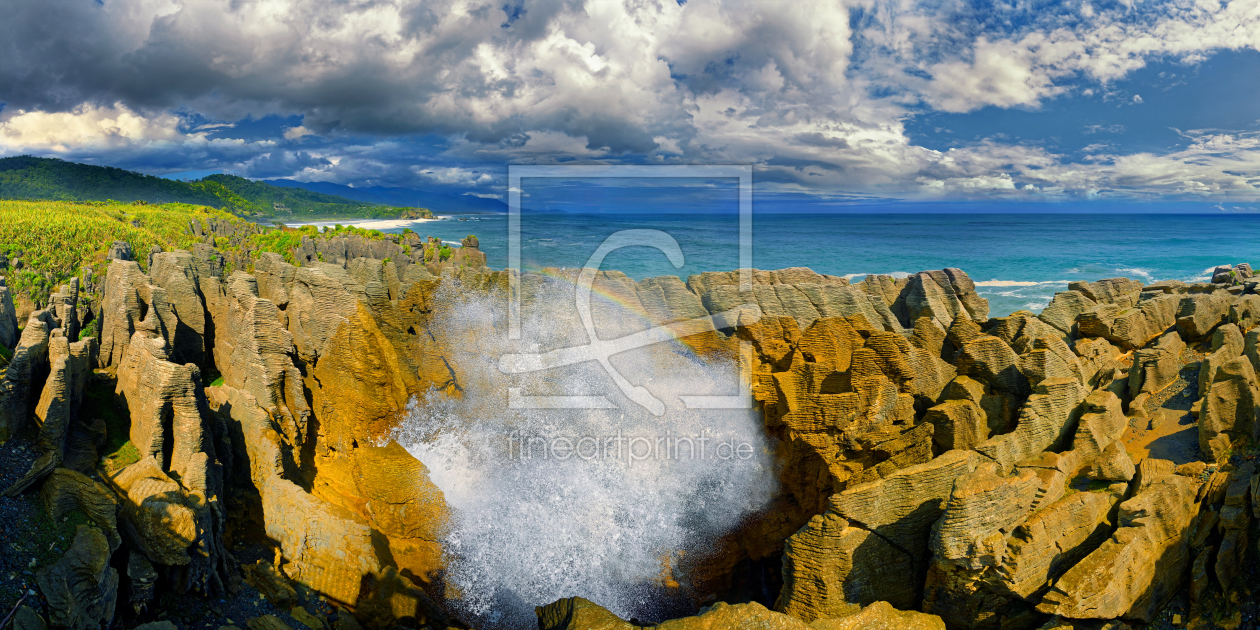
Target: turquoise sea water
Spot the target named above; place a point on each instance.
(1017, 260)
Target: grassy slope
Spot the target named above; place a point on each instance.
(54, 239)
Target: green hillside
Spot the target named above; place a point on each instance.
(279, 201)
(33, 178)
(28, 177)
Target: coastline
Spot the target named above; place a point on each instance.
(369, 224)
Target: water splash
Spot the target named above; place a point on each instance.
(529, 528)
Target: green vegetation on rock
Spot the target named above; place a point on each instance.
(263, 199)
(47, 242)
(98, 402)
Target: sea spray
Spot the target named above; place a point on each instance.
(597, 503)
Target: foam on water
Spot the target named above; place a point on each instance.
(525, 532)
(1017, 283)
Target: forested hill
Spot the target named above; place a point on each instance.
(27, 177)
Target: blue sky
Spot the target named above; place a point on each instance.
(1075, 105)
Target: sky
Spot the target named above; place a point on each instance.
(1080, 103)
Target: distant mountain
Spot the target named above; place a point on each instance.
(410, 197)
(27, 177)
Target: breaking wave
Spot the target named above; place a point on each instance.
(857, 277)
(1018, 283)
(526, 531)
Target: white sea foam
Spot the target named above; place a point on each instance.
(1018, 283)
(1144, 274)
(1205, 276)
(526, 532)
(851, 277)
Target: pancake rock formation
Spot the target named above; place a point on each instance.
(934, 467)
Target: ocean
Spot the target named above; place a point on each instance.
(1017, 260)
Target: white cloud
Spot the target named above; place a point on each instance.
(85, 127)
(293, 133)
(817, 94)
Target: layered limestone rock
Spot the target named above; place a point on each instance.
(848, 555)
(1157, 365)
(1227, 343)
(81, 587)
(253, 353)
(1227, 274)
(165, 402)
(1245, 311)
(48, 358)
(1136, 571)
(8, 317)
(58, 408)
(1234, 523)
(1053, 540)
(325, 548)
(120, 250)
(176, 273)
(1119, 291)
(1049, 357)
(837, 393)
(63, 307)
(1021, 330)
(392, 493)
(978, 546)
(172, 509)
(350, 322)
(577, 613)
(369, 360)
(941, 296)
(882, 616)
(131, 303)
(1044, 422)
(158, 520)
(804, 302)
(1229, 408)
(1100, 362)
(1130, 326)
(975, 540)
(1198, 314)
(65, 491)
(321, 350)
(989, 359)
(25, 373)
(1064, 308)
(960, 424)
(983, 508)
